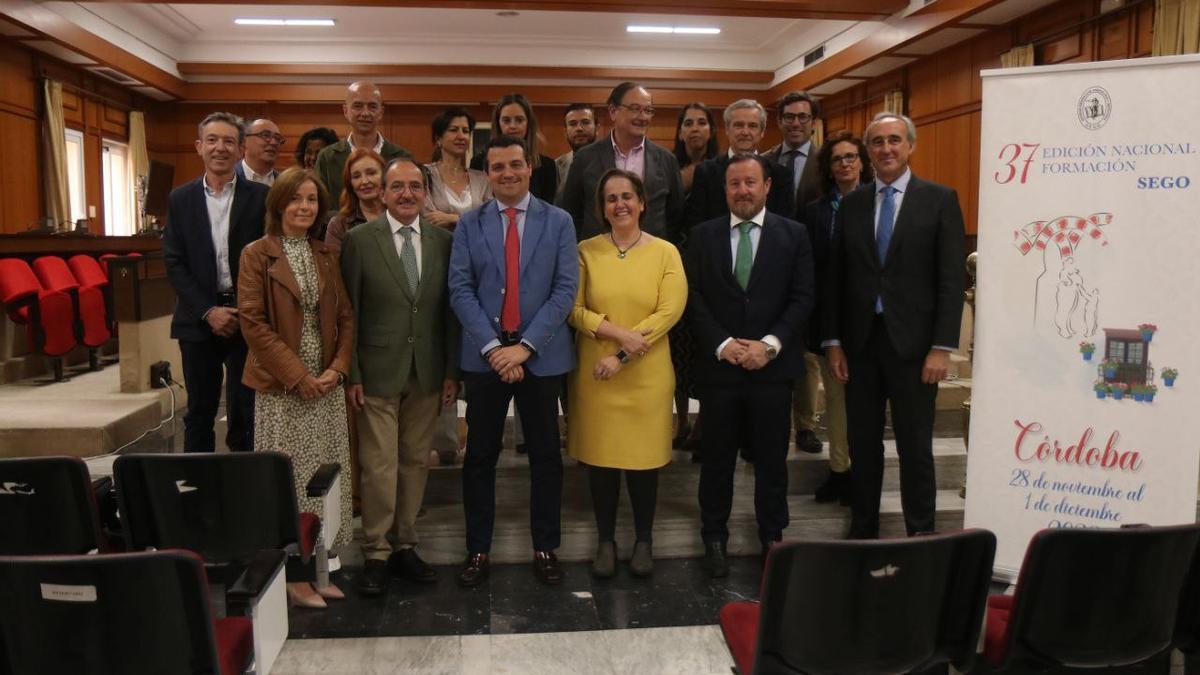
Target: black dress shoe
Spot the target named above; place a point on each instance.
(715, 561)
(807, 441)
(406, 564)
(374, 578)
(474, 571)
(836, 488)
(546, 567)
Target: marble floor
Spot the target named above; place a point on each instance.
(690, 650)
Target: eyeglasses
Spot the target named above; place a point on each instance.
(796, 117)
(848, 158)
(268, 136)
(414, 188)
(636, 109)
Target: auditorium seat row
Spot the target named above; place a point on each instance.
(1083, 599)
(61, 303)
(188, 521)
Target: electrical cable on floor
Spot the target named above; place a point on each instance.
(166, 383)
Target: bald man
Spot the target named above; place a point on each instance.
(363, 109)
(263, 141)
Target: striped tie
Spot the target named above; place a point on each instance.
(408, 259)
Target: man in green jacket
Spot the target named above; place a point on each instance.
(403, 369)
(363, 109)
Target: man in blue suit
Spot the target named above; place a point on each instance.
(209, 221)
(513, 274)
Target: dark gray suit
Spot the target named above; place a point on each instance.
(810, 178)
(664, 190)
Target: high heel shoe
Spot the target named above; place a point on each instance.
(298, 598)
(330, 592)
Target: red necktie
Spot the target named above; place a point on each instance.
(510, 315)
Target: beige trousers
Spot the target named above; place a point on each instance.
(394, 439)
(805, 413)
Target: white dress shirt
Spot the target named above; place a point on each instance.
(378, 142)
(219, 208)
(398, 239)
(735, 235)
(267, 178)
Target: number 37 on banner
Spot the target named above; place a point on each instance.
(1016, 158)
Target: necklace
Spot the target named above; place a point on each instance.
(621, 252)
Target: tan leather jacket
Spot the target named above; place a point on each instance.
(271, 316)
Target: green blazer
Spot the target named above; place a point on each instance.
(397, 329)
(331, 162)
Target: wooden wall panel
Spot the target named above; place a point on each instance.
(20, 136)
(943, 91)
(92, 105)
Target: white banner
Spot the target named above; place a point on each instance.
(1086, 398)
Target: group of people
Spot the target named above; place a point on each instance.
(362, 290)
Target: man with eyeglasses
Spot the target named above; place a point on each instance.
(363, 109)
(797, 112)
(630, 111)
(745, 123)
(263, 142)
(403, 369)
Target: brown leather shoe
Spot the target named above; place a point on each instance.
(546, 567)
(474, 571)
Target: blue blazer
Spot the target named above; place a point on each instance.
(549, 279)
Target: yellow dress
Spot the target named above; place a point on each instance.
(624, 422)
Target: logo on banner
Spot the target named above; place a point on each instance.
(1094, 108)
(1060, 290)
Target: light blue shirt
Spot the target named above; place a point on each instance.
(219, 207)
(799, 160)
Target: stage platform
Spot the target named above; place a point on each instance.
(86, 415)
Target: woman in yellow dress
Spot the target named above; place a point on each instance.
(632, 290)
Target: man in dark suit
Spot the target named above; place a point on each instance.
(514, 270)
(630, 109)
(403, 370)
(209, 221)
(363, 109)
(263, 142)
(891, 318)
(745, 123)
(797, 112)
(750, 292)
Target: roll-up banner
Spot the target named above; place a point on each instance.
(1085, 405)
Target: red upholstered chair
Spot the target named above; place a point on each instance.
(865, 607)
(130, 613)
(1092, 598)
(87, 271)
(89, 306)
(48, 316)
(232, 509)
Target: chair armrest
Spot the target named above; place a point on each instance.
(322, 480)
(256, 577)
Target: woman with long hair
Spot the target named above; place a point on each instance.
(362, 201)
(513, 116)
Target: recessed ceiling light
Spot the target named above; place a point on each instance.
(678, 30)
(507, 13)
(242, 21)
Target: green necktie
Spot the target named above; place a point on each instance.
(745, 256)
(408, 258)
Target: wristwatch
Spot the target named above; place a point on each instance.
(771, 351)
(623, 356)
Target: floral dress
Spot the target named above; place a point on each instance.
(312, 432)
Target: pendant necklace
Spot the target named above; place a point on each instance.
(621, 253)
